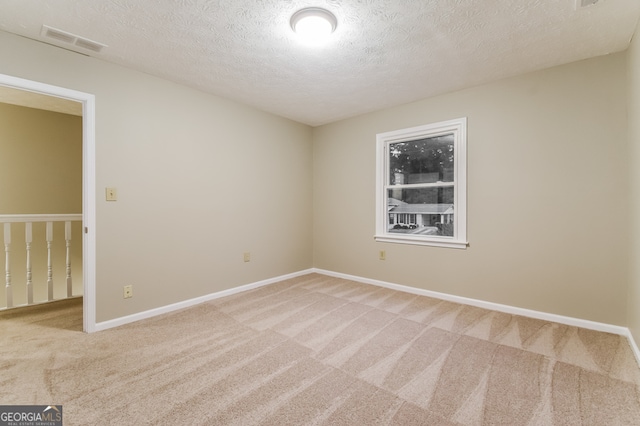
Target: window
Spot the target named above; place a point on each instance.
(422, 185)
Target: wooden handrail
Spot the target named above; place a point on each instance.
(17, 218)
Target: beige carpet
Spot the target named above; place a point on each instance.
(318, 350)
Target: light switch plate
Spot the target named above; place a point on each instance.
(111, 194)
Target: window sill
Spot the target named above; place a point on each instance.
(421, 241)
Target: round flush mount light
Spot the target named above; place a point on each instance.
(313, 24)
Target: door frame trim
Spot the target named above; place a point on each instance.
(88, 185)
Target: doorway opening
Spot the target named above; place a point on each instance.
(87, 101)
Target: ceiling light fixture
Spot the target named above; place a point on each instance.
(313, 24)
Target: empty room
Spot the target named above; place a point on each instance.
(427, 215)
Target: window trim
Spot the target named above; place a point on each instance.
(459, 129)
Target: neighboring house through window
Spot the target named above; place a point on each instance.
(422, 185)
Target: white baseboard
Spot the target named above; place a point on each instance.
(632, 343)
(576, 322)
(192, 302)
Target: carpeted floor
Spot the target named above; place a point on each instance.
(318, 350)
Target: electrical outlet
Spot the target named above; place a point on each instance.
(383, 255)
(247, 256)
(128, 291)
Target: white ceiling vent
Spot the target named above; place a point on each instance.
(72, 39)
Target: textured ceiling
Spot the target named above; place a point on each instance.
(383, 53)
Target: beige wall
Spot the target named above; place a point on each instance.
(200, 181)
(547, 194)
(40, 161)
(40, 173)
(633, 72)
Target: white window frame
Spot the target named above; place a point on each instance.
(458, 128)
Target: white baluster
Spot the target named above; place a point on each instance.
(28, 238)
(49, 264)
(67, 237)
(7, 268)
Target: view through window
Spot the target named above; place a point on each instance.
(422, 185)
